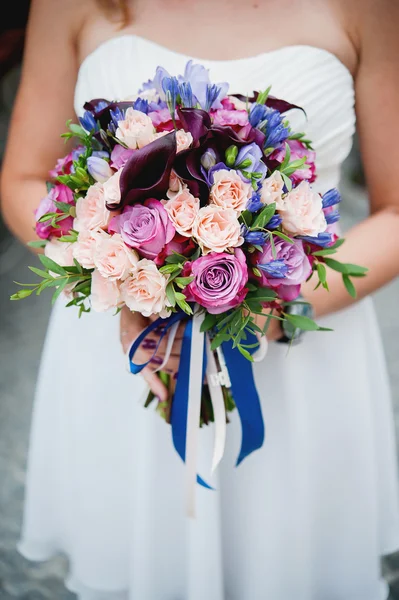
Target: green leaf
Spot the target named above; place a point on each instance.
(287, 157)
(184, 306)
(287, 181)
(41, 273)
(208, 323)
(302, 322)
(356, 270)
(59, 290)
(345, 268)
(324, 252)
(78, 266)
(256, 272)
(245, 353)
(247, 217)
(51, 265)
(37, 244)
(261, 292)
(77, 130)
(264, 216)
(263, 96)
(183, 281)
(283, 236)
(170, 294)
(172, 268)
(322, 272)
(175, 258)
(273, 247)
(21, 294)
(63, 206)
(349, 286)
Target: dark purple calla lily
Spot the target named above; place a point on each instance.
(205, 135)
(146, 174)
(281, 105)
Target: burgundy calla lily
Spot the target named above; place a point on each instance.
(147, 172)
(281, 105)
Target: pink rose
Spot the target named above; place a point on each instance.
(219, 281)
(135, 130)
(176, 185)
(217, 229)
(59, 193)
(105, 293)
(84, 248)
(184, 140)
(63, 166)
(230, 118)
(272, 190)
(112, 192)
(120, 156)
(298, 151)
(302, 212)
(60, 252)
(91, 212)
(229, 190)
(145, 290)
(161, 120)
(145, 227)
(113, 258)
(182, 211)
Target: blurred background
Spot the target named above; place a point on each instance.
(22, 331)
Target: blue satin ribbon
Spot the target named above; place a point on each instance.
(244, 391)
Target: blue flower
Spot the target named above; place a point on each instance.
(274, 222)
(116, 115)
(276, 269)
(254, 203)
(257, 114)
(257, 238)
(331, 198)
(332, 217)
(141, 104)
(251, 154)
(186, 94)
(323, 239)
(170, 86)
(203, 90)
(88, 122)
(270, 122)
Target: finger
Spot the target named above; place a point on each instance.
(155, 384)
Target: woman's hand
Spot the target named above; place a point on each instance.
(131, 325)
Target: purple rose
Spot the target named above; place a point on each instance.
(145, 227)
(287, 270)
(59, 193)
(219, 280)
(120, 156)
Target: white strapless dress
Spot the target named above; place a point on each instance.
(308, 515)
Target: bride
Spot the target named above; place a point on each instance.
(308, 515)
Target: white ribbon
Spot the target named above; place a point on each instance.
(219, 410)
(194, 410)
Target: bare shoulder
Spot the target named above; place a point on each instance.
(373, 27)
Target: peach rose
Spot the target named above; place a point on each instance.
(113, 258)
(302, 212)
(112, 192)
(229, 190)
(145, 290)
(217, 229)
(176, 185)
(91, 212)
(136, 130)
(272, 190)
(60, 252)
(184, 139)
(182, 211)
(105, 293)
(84, 248)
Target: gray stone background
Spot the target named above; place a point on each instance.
(22, 330)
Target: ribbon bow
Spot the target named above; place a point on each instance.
(197, 360)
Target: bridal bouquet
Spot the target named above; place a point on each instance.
(187, 203)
